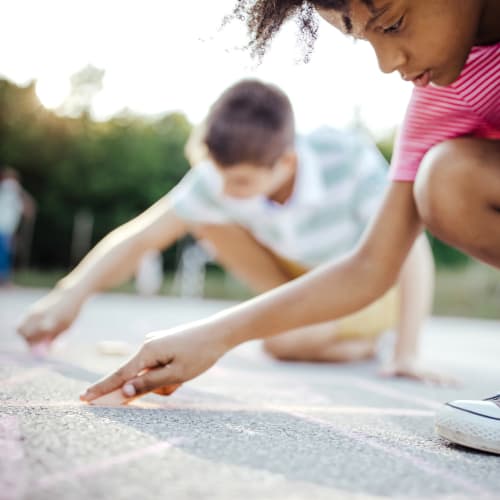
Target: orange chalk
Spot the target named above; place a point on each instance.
(115, 398)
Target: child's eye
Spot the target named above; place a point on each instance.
(394, 28)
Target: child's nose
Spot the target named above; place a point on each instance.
(390, 58)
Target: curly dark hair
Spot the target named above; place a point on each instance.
(264, 19)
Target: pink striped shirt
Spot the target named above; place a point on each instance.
(470, 106)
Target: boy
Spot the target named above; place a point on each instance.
(271, 206)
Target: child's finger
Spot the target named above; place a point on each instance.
(114, 381)
(153, 380)
(38, 329)
(29, 329)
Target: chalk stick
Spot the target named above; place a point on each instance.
(114, 348)
(41, 349)
(115, 398)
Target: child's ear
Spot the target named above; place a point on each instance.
(289, 159)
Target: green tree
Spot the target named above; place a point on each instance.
(113, 169)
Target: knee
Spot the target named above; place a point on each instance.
(440, 187)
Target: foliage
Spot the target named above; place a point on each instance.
(113, 169)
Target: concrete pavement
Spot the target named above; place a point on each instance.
(249, 428)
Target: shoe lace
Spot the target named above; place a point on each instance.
(495, 399)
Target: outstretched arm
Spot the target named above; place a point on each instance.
(330, 291)
(110, 262)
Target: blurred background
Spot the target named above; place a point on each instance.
(97, 100)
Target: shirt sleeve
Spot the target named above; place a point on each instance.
(434, 115)
(197, 196)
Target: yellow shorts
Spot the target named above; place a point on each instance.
(369, 322)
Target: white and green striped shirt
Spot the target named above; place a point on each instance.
(339, 185)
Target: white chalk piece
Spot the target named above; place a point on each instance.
(114, 348)
(115, 398)
(41, 349)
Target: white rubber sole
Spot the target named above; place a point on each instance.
(467, 429)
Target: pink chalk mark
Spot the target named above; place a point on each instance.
(41, 350)
(280, 408)
(70, 403)
(26, 376)
(419, 463)
(390, 392)
(220, 406)
(44, 404)
(12, 467)
(105, 464)
(383, 389)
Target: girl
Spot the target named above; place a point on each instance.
(445, 173)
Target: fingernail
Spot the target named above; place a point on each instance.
(128, 390)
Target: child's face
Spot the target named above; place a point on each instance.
(427, 41)
(246, 180)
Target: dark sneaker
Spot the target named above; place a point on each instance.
(471, 423)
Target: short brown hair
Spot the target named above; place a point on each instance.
(251, 122)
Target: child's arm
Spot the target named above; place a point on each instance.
(110, 262)
(328, 292)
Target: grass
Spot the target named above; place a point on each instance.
(469, 291)
(473, 290)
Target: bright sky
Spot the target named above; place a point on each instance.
(164, 55)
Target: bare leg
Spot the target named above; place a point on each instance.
(351, 338)
(458, 196)
(319, 343)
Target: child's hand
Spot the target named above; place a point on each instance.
(164, 362)
(415, 371)
(50, 316)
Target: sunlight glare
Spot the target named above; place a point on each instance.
(52, 90)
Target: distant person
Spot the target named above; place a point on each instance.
(15, 203)
(272, 205)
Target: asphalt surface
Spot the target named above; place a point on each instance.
(249, 428)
